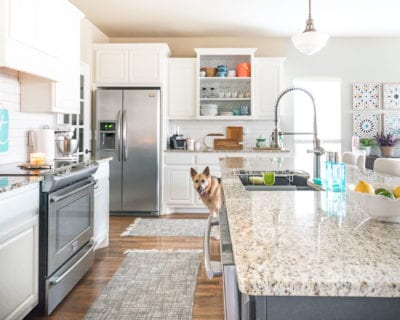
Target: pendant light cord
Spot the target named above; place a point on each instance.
(309, 22)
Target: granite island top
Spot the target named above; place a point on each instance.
(8, 183)
(244, 150)
(306, 243)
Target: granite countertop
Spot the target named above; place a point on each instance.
(305, 243)
(8, 183)
(245, 150)
(101, 159)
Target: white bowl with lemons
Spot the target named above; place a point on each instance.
(380, 201)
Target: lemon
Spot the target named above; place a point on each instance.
(364, 187)
(396, 192)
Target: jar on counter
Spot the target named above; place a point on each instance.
(190, 144)
(197, 146)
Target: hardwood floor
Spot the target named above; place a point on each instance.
(208, 300)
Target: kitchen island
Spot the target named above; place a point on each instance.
(310, 255)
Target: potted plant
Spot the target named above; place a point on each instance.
(386, 144)
(366, 144)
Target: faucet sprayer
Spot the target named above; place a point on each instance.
(317, 149)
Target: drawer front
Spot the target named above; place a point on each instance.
(178, 158)
(208, 159)
(10, 203)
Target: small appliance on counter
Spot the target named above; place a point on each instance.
(66, 146)
(177, 141)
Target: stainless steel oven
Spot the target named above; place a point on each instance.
(70, 222)
(65, 232)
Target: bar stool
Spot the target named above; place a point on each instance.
(354, 159)
(390, 167)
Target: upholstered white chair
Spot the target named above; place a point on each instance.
(354, 158)
(389, 167)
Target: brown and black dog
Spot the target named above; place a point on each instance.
(209, 190)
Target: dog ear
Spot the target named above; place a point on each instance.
(193, 172)
(206, 171)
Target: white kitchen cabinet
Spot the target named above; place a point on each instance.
(19, 251)
(102, 205)
(39, 94)
(34, 36)
(182, 88)
(139, 64)
(268, 77)
(178, 189)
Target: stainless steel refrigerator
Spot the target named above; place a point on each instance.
(127, 127)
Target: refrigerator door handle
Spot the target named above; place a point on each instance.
(124, 135)
(118, 130)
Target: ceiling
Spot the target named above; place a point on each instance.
(238, 18)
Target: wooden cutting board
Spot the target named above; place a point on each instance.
(235, 133)
(227, 144)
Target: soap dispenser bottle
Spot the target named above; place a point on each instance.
(336, 174)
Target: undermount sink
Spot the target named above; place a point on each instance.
(287, 180)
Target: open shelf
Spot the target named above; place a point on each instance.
(225, 99)
(225, 78)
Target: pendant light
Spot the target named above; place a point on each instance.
(310, 41)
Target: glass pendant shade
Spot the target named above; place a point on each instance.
(310, 42)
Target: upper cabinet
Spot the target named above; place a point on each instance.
(182, 88)
(35, 36)
(137, 64)
(268, 78)
(38, 93)
(225, 83)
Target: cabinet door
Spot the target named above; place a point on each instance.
(178, 187)
(144, 66)
(268, 78)
(181, 88)
(111, 66)
(19, 270)
(23, 21)
(101, 213)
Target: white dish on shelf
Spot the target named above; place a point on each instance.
(208, 109)
(226, 113)
(378, 207)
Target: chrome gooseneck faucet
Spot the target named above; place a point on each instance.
(317, 149)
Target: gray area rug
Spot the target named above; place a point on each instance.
(150, 284)
(168, 228)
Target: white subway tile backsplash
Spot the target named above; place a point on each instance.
(200, 128)
(20, 122)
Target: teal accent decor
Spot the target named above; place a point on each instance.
(4, 129)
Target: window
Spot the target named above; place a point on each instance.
(327, 95)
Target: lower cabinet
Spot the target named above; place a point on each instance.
(19, 251)
(178, 191)
(102, 205)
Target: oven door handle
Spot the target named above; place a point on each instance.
(55, 280)
(206, 250)
(68, 194)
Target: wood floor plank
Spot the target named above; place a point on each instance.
(208, 300)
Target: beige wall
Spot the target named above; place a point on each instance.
(183, 47)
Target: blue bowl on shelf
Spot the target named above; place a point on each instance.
(221, 74)
(222, 68)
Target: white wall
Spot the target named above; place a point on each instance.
(20, 122)
(198, 129)
(90, 34)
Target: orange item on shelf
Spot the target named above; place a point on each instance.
(243, 69)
